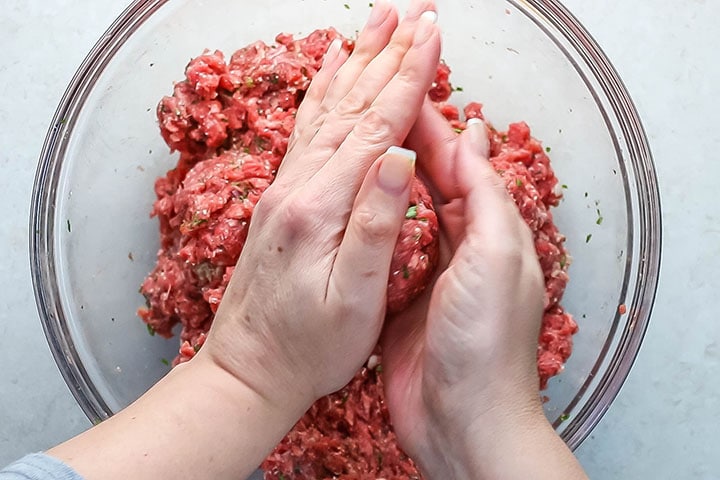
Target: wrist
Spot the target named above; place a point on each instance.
(483, 441)
(280, 407)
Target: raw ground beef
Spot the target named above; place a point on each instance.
(230, 122)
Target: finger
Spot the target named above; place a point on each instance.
(389, 118)
(436, 143)
(369, 49)
(360, 273)
(489, 210)
(375, 35)
(329, 130)
(334, 58)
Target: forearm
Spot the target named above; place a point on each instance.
(197, 422)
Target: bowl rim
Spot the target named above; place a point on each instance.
(557, 18)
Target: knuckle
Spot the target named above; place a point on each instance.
(374, 125)
(352, 105)
(297, 216)
(374, 228)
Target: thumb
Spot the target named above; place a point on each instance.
(362, 266)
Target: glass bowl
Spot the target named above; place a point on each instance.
(93, 241)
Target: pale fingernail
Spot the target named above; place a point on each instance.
(378, 13)
(478, 137)
(396, 170)
(425, 27)
(332, 51)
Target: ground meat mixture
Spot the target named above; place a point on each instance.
(230, 122)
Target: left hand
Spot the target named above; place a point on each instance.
(307, 299)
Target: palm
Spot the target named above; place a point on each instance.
(404, 338)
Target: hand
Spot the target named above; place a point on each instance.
(306, 302)
(460, 365)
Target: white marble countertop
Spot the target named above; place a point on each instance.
(666, 421)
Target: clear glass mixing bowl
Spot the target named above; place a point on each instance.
(93, 241)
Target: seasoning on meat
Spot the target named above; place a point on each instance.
(230, 122)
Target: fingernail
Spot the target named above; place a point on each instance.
(377, 14)
(425, 27)
(332, 51)
(478, 137)
(396, 170)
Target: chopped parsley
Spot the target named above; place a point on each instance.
(458, 89)
(564, 417)
(150, 330)
(599, 220)
(405, 272)
(587, 239)
(274, 78)
(504, 138)
(411, 212)
(548, 149)
(281, 476)
(563, 261)
(518, 182)
(563, 186)
(249, 82)
(379, 368)
(371, 4)
(69, 227)
(347, 7)
(586, 194)
(458, 130)
(165, 362)
(196, 348)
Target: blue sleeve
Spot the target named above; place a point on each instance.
(38, 466)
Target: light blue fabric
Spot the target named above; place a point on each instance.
(38, 466)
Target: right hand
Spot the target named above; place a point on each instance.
(460, 364)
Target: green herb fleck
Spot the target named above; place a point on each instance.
(411, 212)
(371, 4)
(249, 82)
(564, 417)
(150, 330)
(379, 368)
(97, 421)
(63, 121)
(586, 194)
(458, 130)
(405, 272)
(587, 239)
(563, 261)
(564, 187)
(518, 182)
(423, 219)
(165, 362)
(548, 149)
(246, 150)
(458, 89)
(69, 227)
(194, 222)
(274, 78)
(599, 220)
(504, 138)
(347, 7)
(281, 476)
(196, 348)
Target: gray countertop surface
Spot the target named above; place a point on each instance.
(664, 424)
